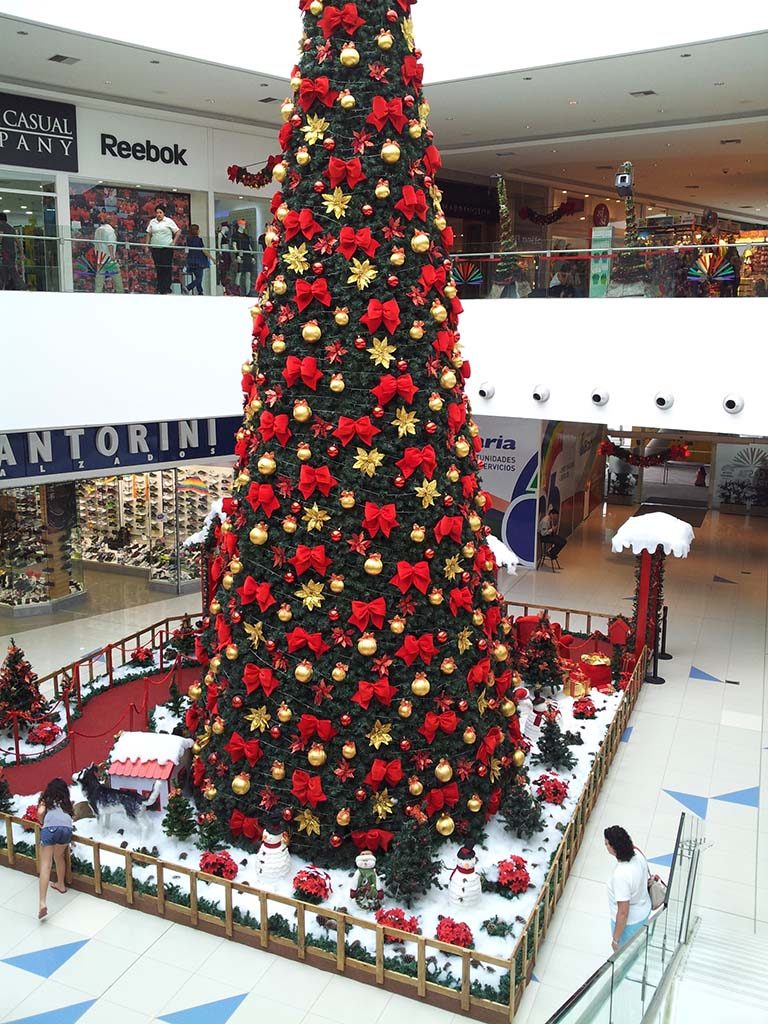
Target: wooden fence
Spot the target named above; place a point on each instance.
(269, 933)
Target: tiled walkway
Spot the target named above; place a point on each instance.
(697, 743)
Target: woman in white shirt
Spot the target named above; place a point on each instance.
(628, 898)
(162, 234)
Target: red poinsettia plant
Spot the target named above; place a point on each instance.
(220, 864)
(550, 789)
(456, 932)
(312, 885)
(44, 733)
(141, 656)
(584, 708)
(396, 917)
(513, 875)
(30, 815)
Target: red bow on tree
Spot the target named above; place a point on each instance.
(445, 722)
(408, 576)
(303, 222)
(423, 459)
(457, 416)
(373, 839)
(348, 429)
(438, 799)
(310, 558)
(460, 598)
(478, 674)
(315, 291)
(350, 171)
(503, 681)
(390, 387)
(274, 426)
(492, 619)
(269, 260)
(444, 342)
(379, 517)
(252, 591)
(469, 485)
(335, 18)
(256, 678)
(387, 110)
(432, 277)
(387, 772)
(308, 789)
(216, 571)
(414, 647)
(350, 241)
(387, 313)
(311, 479)
(318, 90)
(381, 690)
(413, 72)
(262, 496)
(311, 725)
(192, 720)
(366, 612)
(241, 825)
(304, 370)
(239, 748)
(260, 330)
(491, 740)
(432, 160)
(299, 638)
(413, 203)
(448, 526)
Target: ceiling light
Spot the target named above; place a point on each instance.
(100, 181)
(586, 195)
(21, 32)
(241, 197)
(686, 55)
(716, 84)
(554, 150)
(208, 100)
(154, 62)
(564, 191)
(527, 78)
(107, 82)
(582, 218)
(643, 92)
(175, 190)
(6, 211)
(573, 103)
(650, 208)
(23, 206)
(61, 58)
(730, 142)
(30, 213)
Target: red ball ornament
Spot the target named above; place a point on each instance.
(317, 268)
(274, 732)
(430, 427)
(360, 795)
(377, 412)
(270, 645)
(290, 576)
(463, 706)
(402, 365)
(236, 618)
(466, 577)
(399, 481)
(206, 622)
(336, 536)
(493, 703)
(448, 500)
(367, 210)
(442, 636)
(393, 280)
(391, 16)
(336, 841)
(447, 265)
(333, 614)
(287, 814)
(345, 720)
(482, 644)
(505, 762)
(296, 120)
(237, 701)
(360, 344)
(405, 745)
(213, 759)
(429, 554)
(428, 181)
(482, 770)
(319, 187)
(333, 451)
(329, 144)
(295, 507)
(409, 101)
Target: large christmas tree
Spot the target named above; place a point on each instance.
(359, 668)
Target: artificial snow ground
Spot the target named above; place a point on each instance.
(537, 851)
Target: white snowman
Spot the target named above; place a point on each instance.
(464, 883)
(273, 859)
(535, 719)
(522, 699)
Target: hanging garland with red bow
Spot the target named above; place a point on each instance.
(658, 458)
(564, 210)
(250, 179)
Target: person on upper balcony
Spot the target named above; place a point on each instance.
(562, 285)
(162, 235)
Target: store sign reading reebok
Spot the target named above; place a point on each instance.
(125, 150)
(36, 132)
(38, 455)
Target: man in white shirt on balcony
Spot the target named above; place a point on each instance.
(105, 247)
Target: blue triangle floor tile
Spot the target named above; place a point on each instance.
(665, 861)
(722, 579)
(698, 673)
(747, 797)
(533, 977)
(64, 1015)
(45, 961)
(696, 804)
(626, 735)
(218, 1012)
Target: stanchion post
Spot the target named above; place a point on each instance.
(663, 655)
(16, 740)
(108, 652)
(655, 679)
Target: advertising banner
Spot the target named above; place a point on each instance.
(600, 267)
(741, 477)
(36, 132)
(571, 477)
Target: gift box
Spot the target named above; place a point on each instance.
(576, 683)
(597, 667)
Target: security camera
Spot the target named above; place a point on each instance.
(624, 183)
(664, 400)
(600, 397)
(733, 403)
(486, 390)
(540, 394)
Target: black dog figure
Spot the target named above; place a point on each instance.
(106, 802)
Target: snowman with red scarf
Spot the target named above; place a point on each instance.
(541, 708)
(464, 883)
(273, 859)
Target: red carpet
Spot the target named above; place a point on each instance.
(113, 710)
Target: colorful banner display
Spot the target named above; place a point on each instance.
(572, 471)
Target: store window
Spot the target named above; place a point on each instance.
(28, 247)
(240, 224)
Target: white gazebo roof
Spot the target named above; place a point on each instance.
(646, 532)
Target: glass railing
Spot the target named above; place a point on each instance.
(622, 990)
(47, 263)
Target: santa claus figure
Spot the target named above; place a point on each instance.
(522, 699)
(273, 859)
(464, 884)
(366, 893)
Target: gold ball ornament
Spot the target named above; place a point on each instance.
(474, 803)
(243, 478)
(209, 678)
(390, 152)
(440, 222)
(435, 597)
(287, 110)
(339, 672)
(347, 101)
(416, 333)
(303, 156)
(373, 564)
(366, 645)
(235, 566)
(317, 755)
(279, 172)
(507, 707)
(281, 213)
(278, 344)
(453, 475)
(195, 692)
(477, 617)
(418, 533)
(343, 818)
(475, 522)
(447, 666)
(290, 525)
(267, 464)
(349, 56)
(284, 613)
(518, 758)
(382, 190)
(215, 663)
(278, 770)
(438, 312)
(284, 713)
(385, 40)
(231, 652)
(296, 81)
(415, 130)
(337, 585)
(397, 625)
(227, 581)
(217, 728)
(241, 784)
(302, 411)
(316, 7)
(349, 750)
(303, 672)
(436, 404)
(501, 652)
(397, 259)
(347, 499)
(450, 290)
(341, 316)
(420, 242)
(468, 550)
(445, 825)
(469, 736)
(210, 792)
(415, 786)
(303, 452)
(448, 380)
(488, 592)
(405, 709)
(280, 286)
(271, 237)
(311, 332)
(420, 685)
(443, 770)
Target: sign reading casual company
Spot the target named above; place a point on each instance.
(39, 455)
(36, 132)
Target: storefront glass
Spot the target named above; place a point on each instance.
(240, 225)
(28, 245)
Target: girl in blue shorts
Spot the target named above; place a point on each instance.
(54, 812)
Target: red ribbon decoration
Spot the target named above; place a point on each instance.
(438, 799)
(335, 18)
(260, 329)
(309, 292)
(262, 496)
(380, 517)
(381, 690)
(414, 647)
(192, 720)
(304, 370)
(216, 571)
(387, 110)
(310, 558)
(445, 722)
(311, 479)
(350, 171)
(432, 277)
(386, 313)
(390, 387)
(408, 576)
(366, 612)
(274, 426)
(350, 241)
(478, 674)
(256, 678)
(491, 740)
(223, 631)
(311, 725)
(241, 825)
(318, 90)
(423, 459)
(413, 72)
(303, 222)
(449, 526)
(252, 591)
(362, 428)
(432, 160)
(387, 772)
(469, 485)
(413, 203)
(299, 638)
(457, 416)
(503, 682)
(373, 839)
(460, 598)
(308, 789)
(239, 748)
(444, 342)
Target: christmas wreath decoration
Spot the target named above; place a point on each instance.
(456, 932)
(396, 917)
(550, 789)
(513, 876)
(564, 210)
(675, 451)
(312, 885)
(220, 864)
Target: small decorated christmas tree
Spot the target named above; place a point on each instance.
(552, 747)
(180, 820)
(210, 833)
(521, 810)
(540, 664)
(176, 702)
(19, 692)
(409, 870)
(182, 639)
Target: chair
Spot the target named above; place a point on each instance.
(545, 552)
